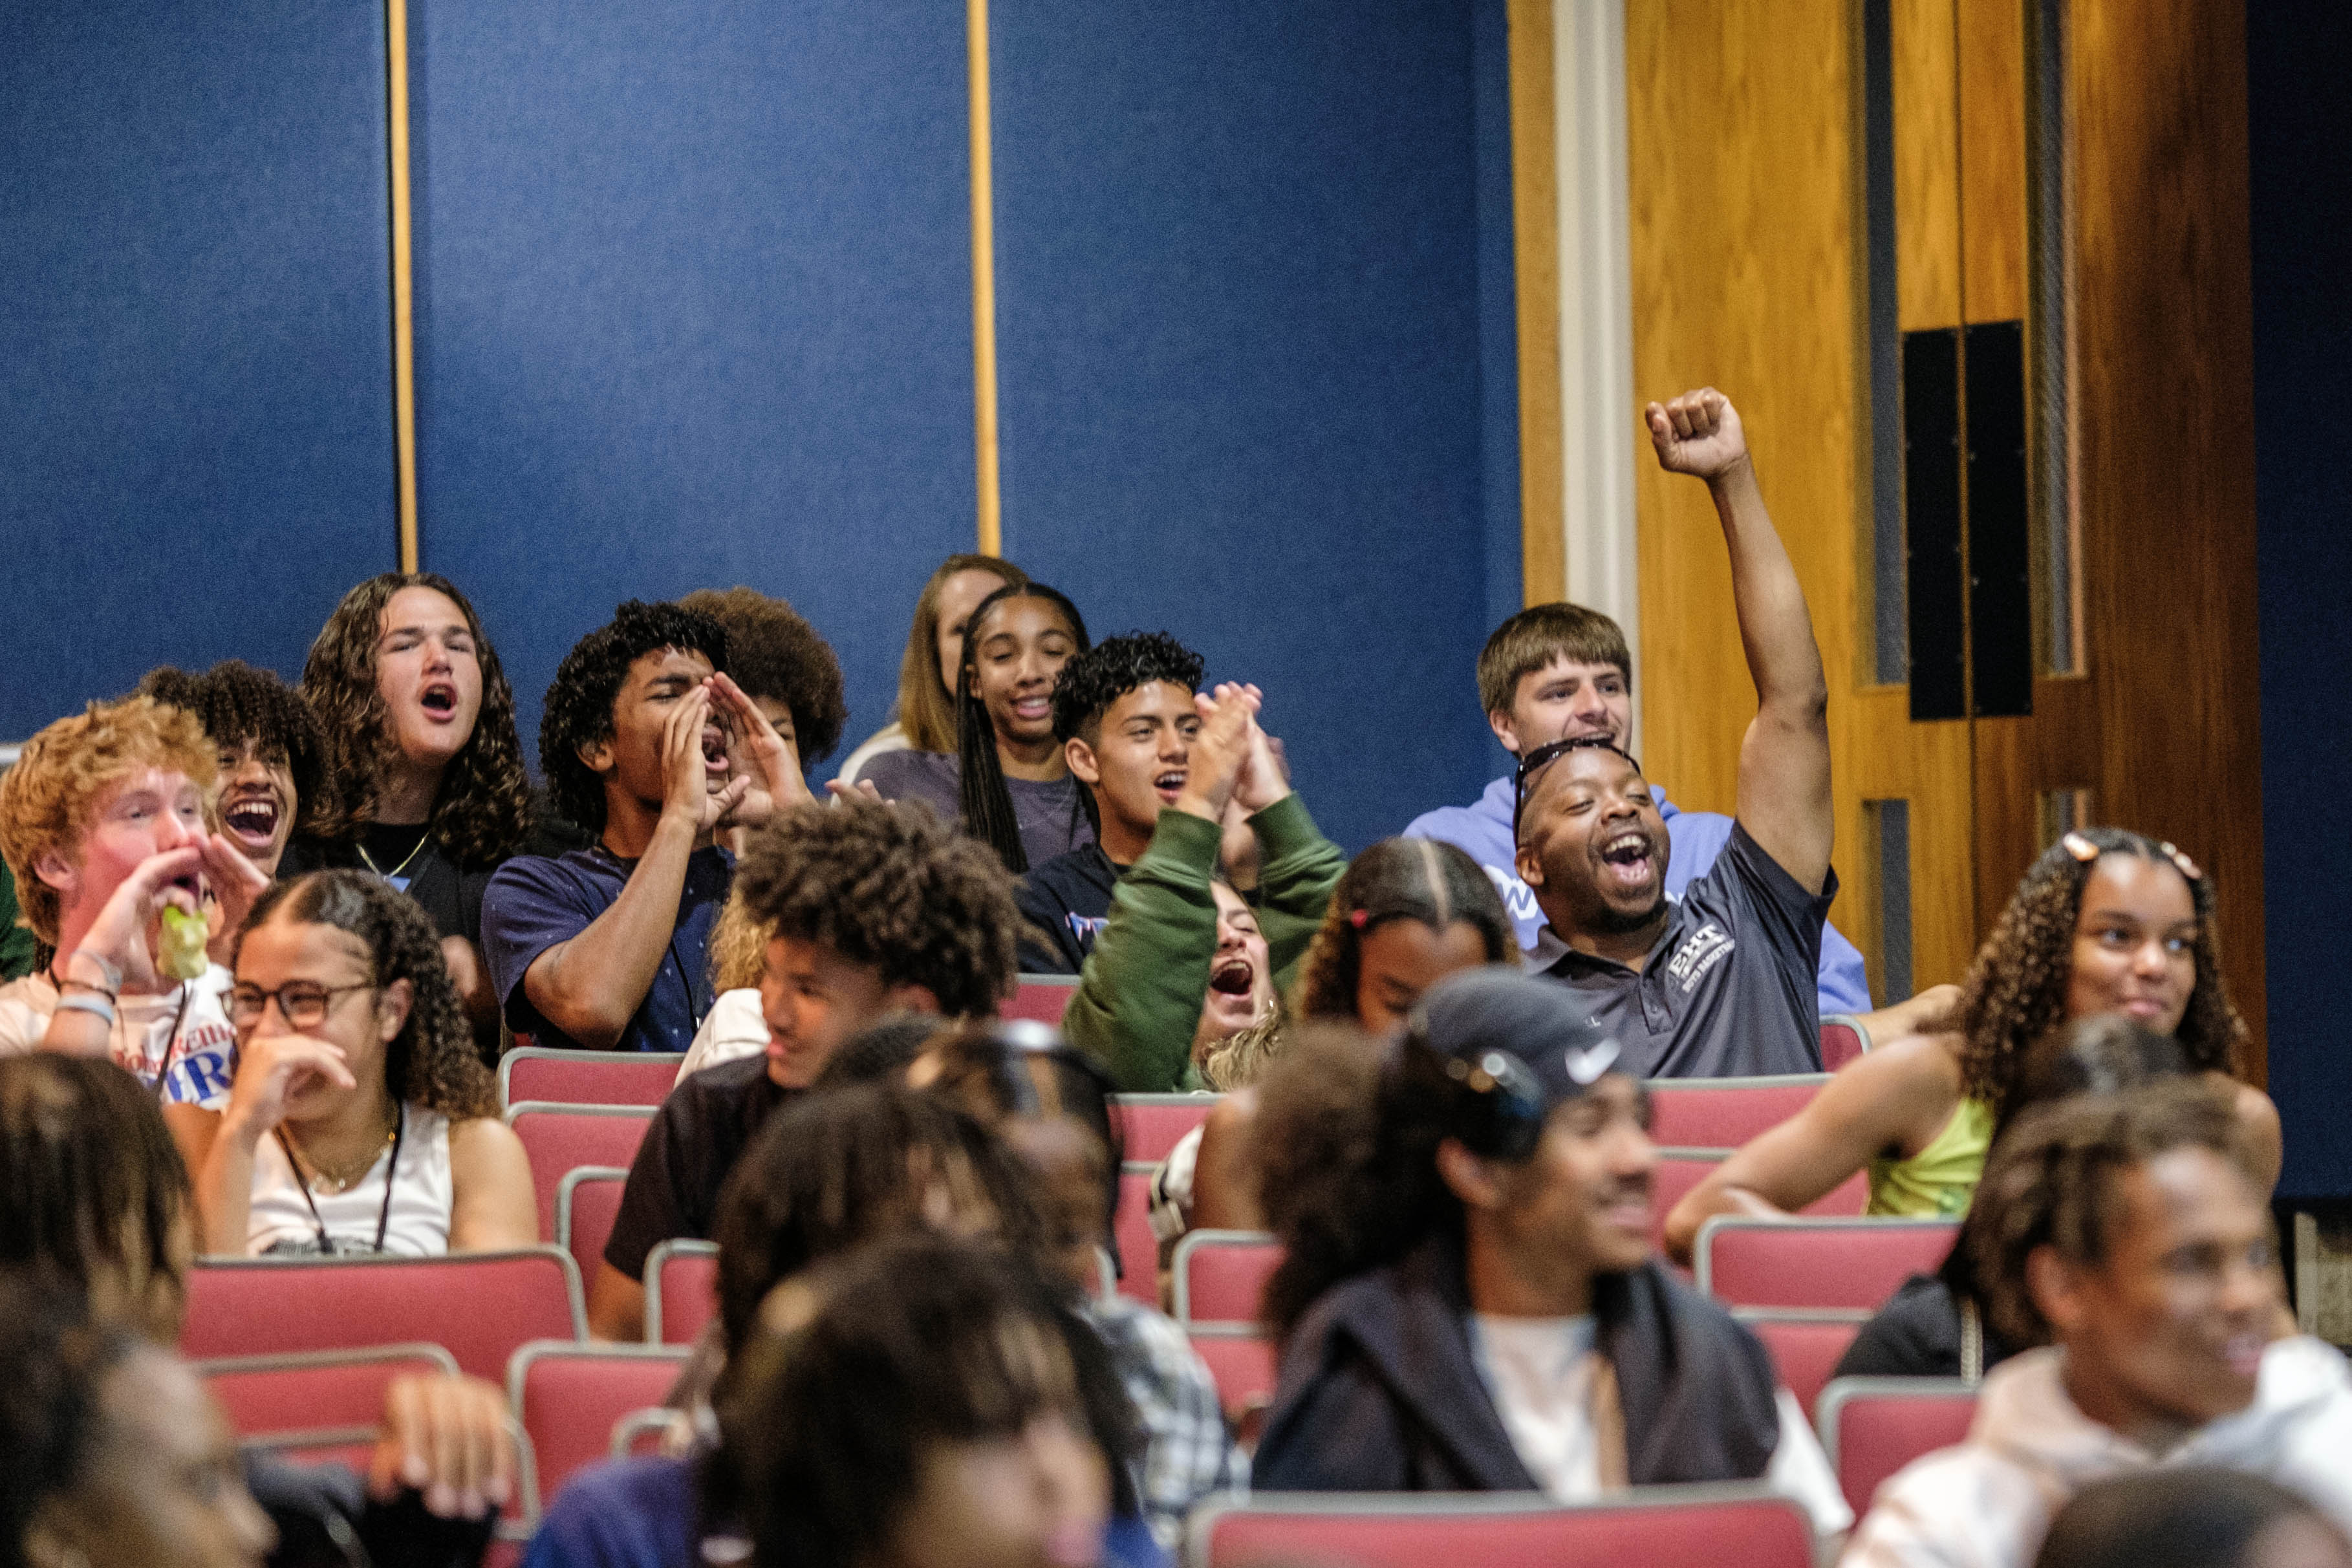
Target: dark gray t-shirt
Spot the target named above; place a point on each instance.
(1728, 991)
(1052, 820)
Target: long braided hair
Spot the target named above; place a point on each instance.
(986, 804)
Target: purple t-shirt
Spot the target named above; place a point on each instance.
(1053, 821)
(535, 901)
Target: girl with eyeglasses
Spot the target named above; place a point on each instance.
(360, 1120)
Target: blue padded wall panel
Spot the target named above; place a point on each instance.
(1240, 324)
(2298, 52)
(196, 391)
(694, 307)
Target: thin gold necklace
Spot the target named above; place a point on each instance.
(318, 1175)
(423, 839)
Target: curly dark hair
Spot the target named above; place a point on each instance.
(97, 1193)
(1347, 1154)
(431, 1061)
(889, 885)
(579, 710)
(907, 1346)
(1396, 878)
(483, 812)
(240, 706)
(2016, 989)
(1113, 668)
(2050, 1182)
(833, 1171)
(776, 654)
(987, 805)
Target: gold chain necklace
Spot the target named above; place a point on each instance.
(328, 1181)
(423, 839)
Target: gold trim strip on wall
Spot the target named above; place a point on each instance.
(984, 284)
(404, 300)
(1535, 230)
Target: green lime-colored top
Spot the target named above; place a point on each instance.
(1938, 1182)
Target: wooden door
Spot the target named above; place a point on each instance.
(1917, 242)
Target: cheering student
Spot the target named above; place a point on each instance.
(102, 824)
(1720, 983)
(419, 727)
(1006, 782)
(923, 718)
(787, 670)
(1182, 963)
(1559, 672)
(273, 774)
(606, 948)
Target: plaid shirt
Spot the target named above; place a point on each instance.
(1190, 1455)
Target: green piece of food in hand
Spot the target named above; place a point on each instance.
(185, 935)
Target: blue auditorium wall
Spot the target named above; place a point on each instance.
(195, 398)
(694, 308)
(1254, 330)
(2298, 52)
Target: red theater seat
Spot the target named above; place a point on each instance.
(1725, 1112)
(569, 1396)
(479, 1306)
(1153, 1124)
(1138, 1250)
(563, 1138)
(586, 1077)
(309, 1389)
(1242, 1360)
(1805, 1347)
(1842, 1040)
(1042, 997)
(1854, 1263)
(1221, 1274)
(681, 1290)
(1657, 1527)
(1873, 1427)
(587, 1201)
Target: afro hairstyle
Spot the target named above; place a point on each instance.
(579, 710)
(891, 886)
(240, 706)
(773, 652)
(1113, 668)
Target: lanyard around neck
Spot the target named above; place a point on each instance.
(391, 1173)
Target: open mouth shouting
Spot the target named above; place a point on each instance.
(1628, 866)
(252, 819)
(438, 699)
(714, 755)
(1169, 784)
(1233, 977)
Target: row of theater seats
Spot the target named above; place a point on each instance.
(300, 1350)
(576, 1402)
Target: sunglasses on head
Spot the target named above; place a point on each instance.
(1543, 756)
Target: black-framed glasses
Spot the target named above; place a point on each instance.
(303, 1004)
(1543, 756)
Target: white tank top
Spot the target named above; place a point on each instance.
(417, 1224)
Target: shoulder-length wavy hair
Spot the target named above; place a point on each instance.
(2016, 991)
(927, 709)
(482, 813)
(431, 1061)
(987, 805)
(1396, 878)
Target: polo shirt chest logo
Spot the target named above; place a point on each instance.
(1708, 947)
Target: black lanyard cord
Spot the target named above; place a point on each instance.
(384, 1215)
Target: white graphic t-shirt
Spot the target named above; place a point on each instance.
(187, 1025)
